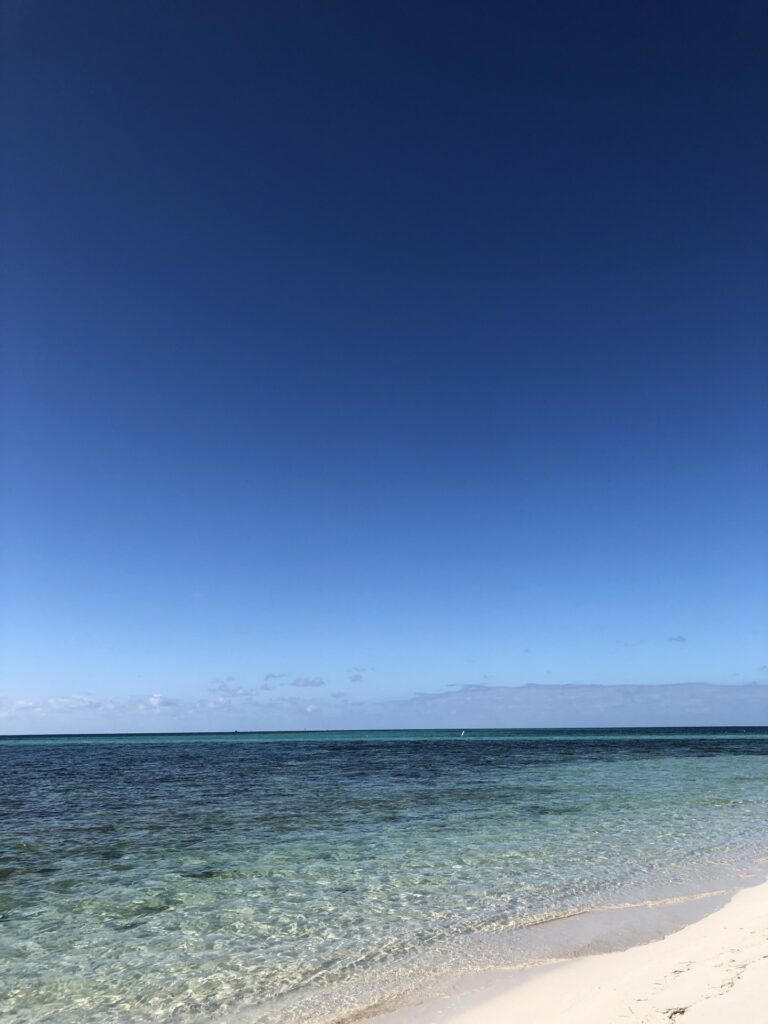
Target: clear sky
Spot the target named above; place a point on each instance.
(375, 349)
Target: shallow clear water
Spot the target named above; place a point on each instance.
(277, 877)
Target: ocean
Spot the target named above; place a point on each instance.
(306, 877)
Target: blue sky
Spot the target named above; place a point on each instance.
(387, 350)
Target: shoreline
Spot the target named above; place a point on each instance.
(710, 969)
(437, 986)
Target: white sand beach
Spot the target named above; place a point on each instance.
(714, 971)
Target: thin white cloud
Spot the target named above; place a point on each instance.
(225, 687)
(551, 705)
(157, 702)
(56, 705)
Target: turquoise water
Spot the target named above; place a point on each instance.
(299, 877)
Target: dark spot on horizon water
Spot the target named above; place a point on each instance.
(543, 809)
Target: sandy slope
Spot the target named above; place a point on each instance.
(714, 971)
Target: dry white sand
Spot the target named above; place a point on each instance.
(714, 971)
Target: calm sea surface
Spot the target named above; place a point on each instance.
(299, 877)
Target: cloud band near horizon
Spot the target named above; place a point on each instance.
(472, 706)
